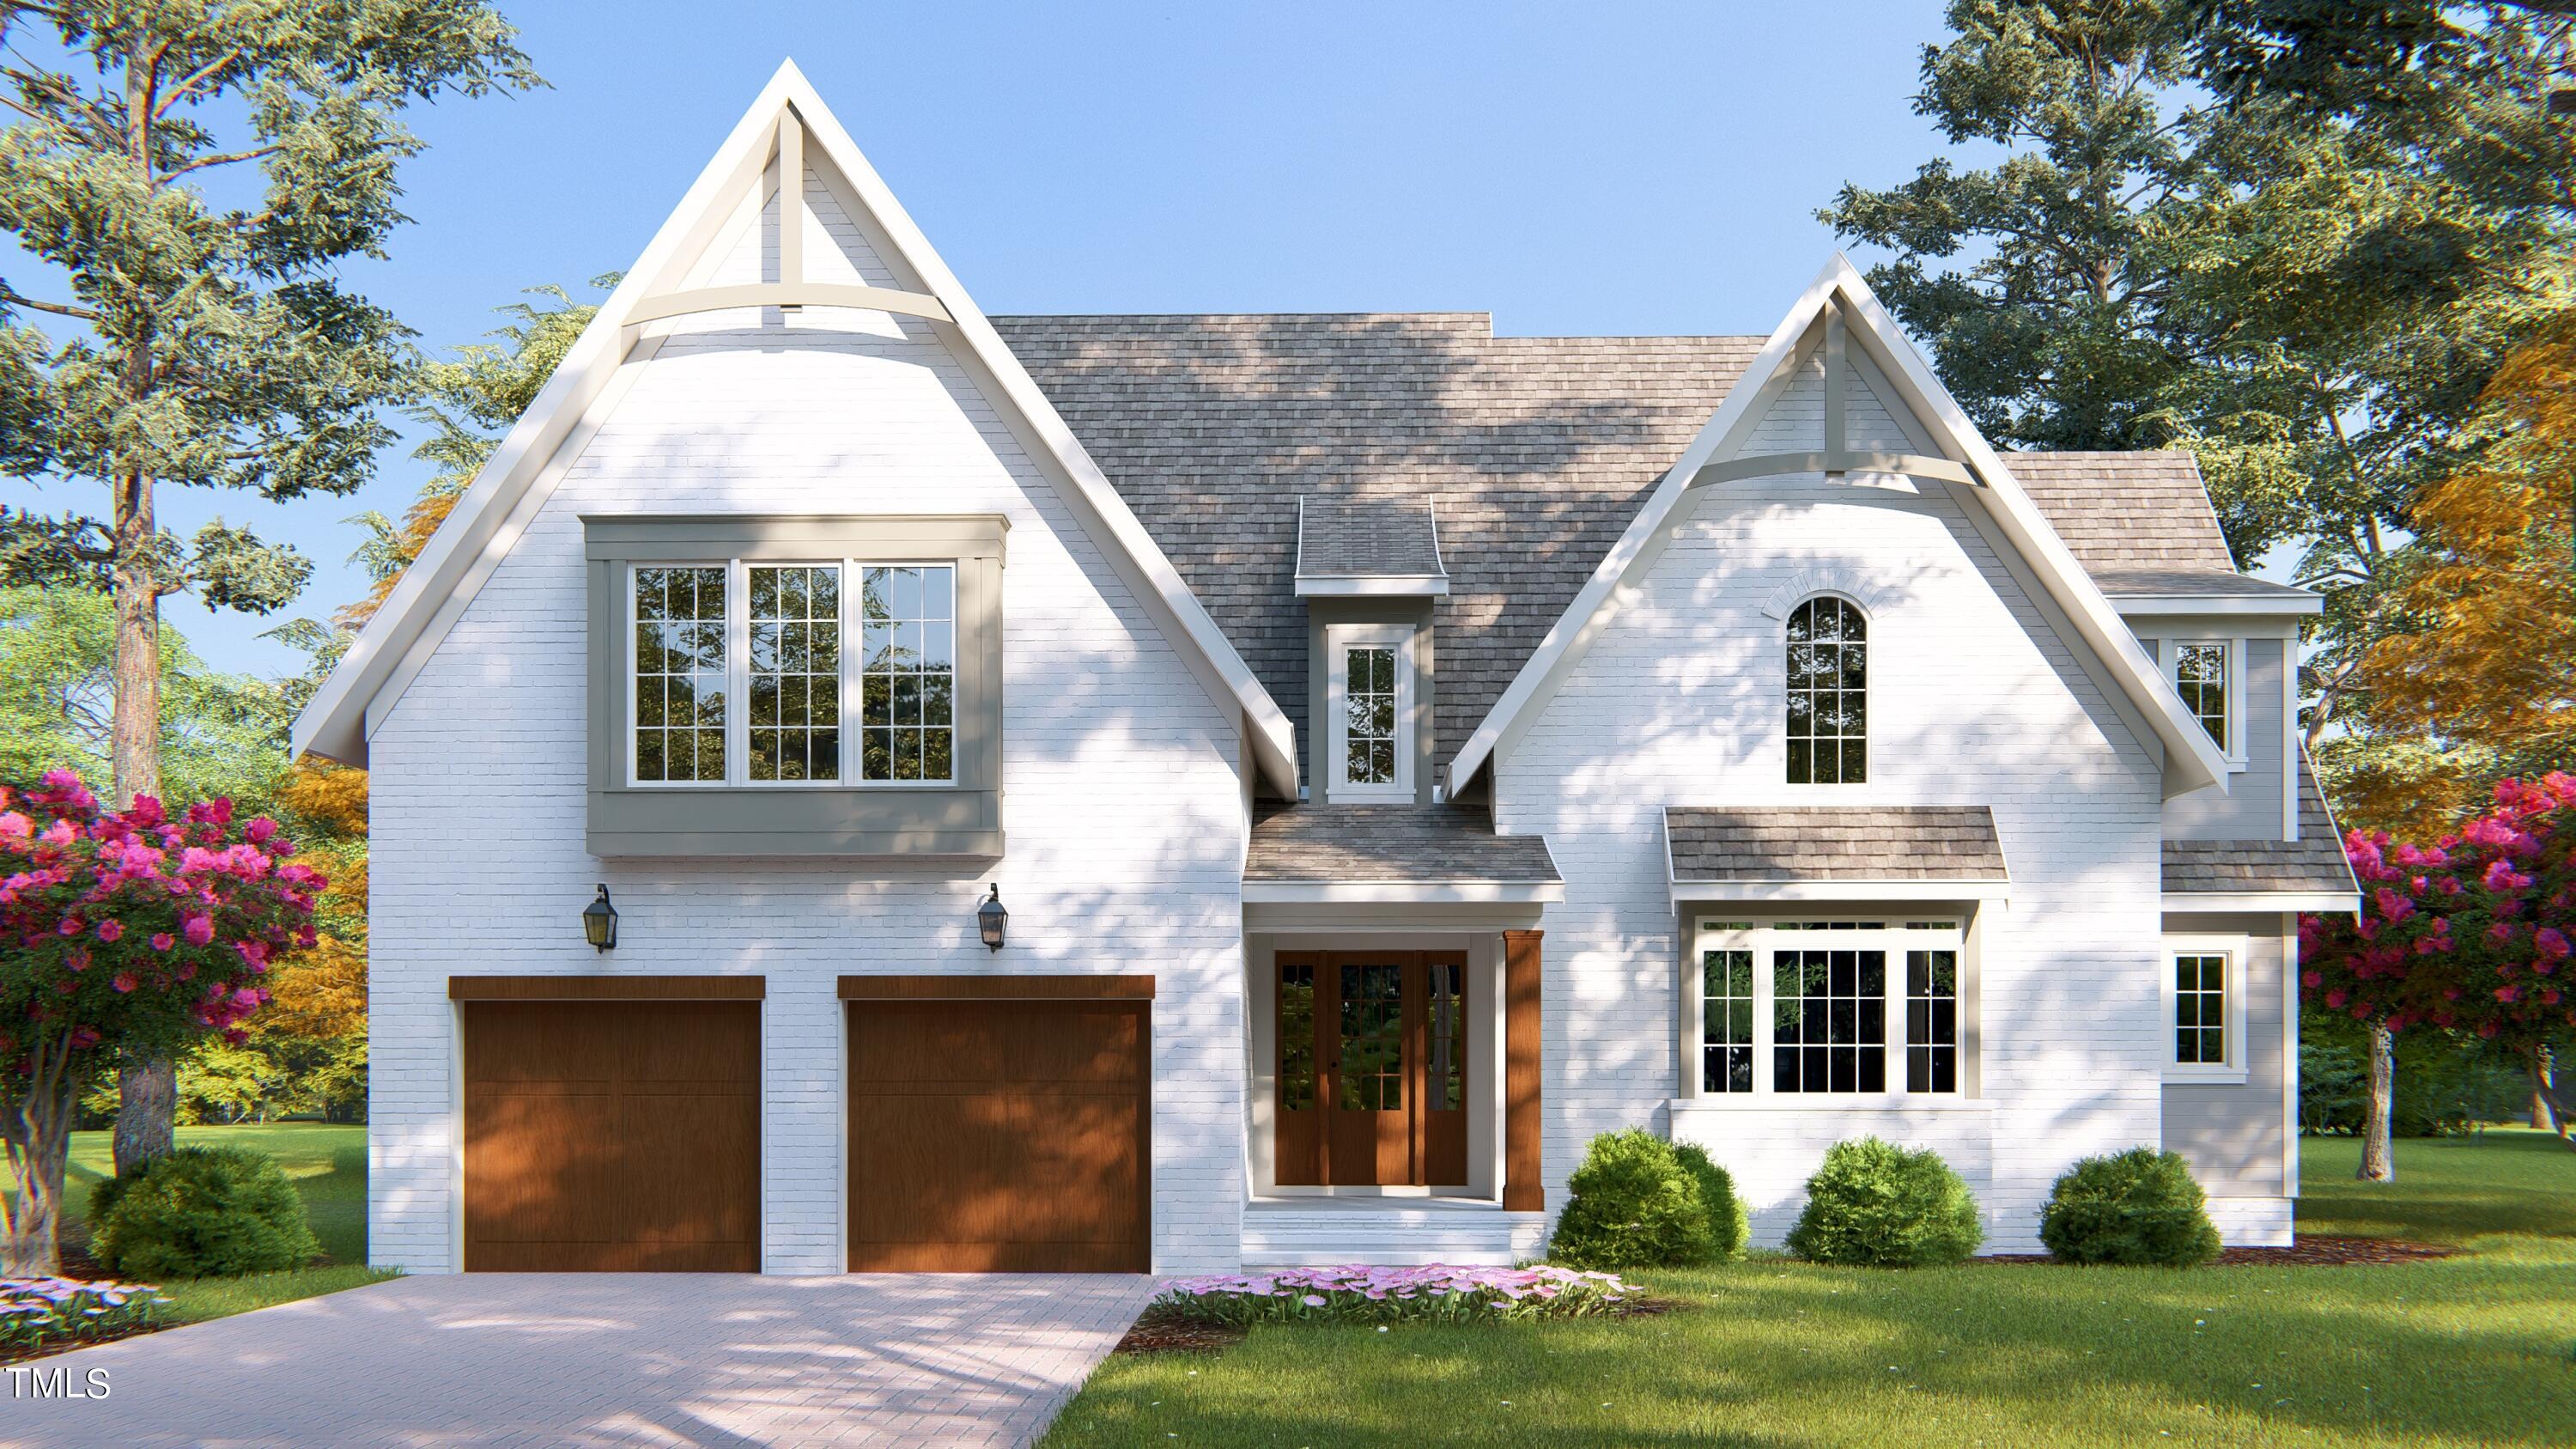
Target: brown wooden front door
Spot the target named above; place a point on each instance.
(999, 1136)
(612, 1136)
(1371, 1080)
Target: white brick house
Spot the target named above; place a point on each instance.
(1402, 753)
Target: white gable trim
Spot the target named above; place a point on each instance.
(2190, 761)
(494, 509)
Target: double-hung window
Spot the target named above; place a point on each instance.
(795, 684)
(739, 673)
(2209, 675)
(1829, 1007)
(2204, 1008)
(1369, 712)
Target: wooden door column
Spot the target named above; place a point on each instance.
(1522, 992)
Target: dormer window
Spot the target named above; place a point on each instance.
(1828, 641)
(2208, 674)
(1370, 704)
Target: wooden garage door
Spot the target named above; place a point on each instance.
(998, 1136)
(612, 1136)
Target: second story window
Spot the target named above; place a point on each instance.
(2200, 676)
(1828, 693)
(1370, 705)
(909, 684)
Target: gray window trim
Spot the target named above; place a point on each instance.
(849, 818)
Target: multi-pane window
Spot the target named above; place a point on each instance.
(1447, 1086)
(2200, 675)
(1296, 1035)
(1931, 1021)
(1368, 715)
(794, 664)
(1828, 693)
(908, 679)
(1726, 1021)
(2200, 1009)
(1372, 1038)
(680, 676)
(1828, 1021)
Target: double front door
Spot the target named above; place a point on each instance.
(1372, 1077)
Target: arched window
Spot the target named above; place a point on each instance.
(1828, 693)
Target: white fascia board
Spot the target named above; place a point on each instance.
(2228, 605)
(2232, 902)
(1369, 586)
(1595, 605)
(2191, 761)
(334, 724)
(1749, 892)
(1397, 892)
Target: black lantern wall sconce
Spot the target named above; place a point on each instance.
(599, 922)
(992, 920)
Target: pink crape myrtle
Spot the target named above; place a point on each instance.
(125, 931)
(2472, 933)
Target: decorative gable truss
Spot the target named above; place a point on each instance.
(787, 133)
(1839, 318)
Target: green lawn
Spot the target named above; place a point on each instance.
(2477, 1349)
(329, 1166)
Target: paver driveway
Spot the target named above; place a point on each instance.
(607, 1358)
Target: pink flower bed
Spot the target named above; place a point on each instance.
(1437, 1293)
(37, 1312)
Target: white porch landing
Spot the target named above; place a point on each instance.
(1397, 1232)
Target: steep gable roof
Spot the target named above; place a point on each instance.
(786, 125)
(1537, 451)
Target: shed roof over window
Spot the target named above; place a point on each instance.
(1368, 546)
(1827, 852)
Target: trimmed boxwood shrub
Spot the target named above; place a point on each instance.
(1632, 1204)
(1874, 1204)
(1729, 1225)
(202, 1212)
(2138, 1206)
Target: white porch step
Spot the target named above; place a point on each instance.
(1386, 1231)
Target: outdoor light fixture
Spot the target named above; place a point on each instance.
(599, 922)
(990, 918)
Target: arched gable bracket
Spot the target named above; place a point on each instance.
(791, 290)
(1838, 458)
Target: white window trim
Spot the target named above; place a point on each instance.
(738, 674)
(1869, 618)
(1761, 937)
(2236, 949)
(2168, 658)
(1339, 638)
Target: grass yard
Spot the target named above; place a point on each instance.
(2475, 1349)
(328, 1163)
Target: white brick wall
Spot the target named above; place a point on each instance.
(1121, 799)
(1973, 701)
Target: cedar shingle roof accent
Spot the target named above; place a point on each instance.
(1828, 843)
(2312, 863)
(1537, 451)
(1415, 843)
(1353, 538)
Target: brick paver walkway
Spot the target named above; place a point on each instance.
(602, 1358)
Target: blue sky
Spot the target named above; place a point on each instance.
(1603, 168)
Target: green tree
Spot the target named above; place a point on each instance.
(202, 342)
(221, 734)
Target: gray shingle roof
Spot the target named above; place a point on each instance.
(1427, 843)
(2186, 583)
(1346, 538)
(2314, 862)
(1537, 451)
(1835, 843)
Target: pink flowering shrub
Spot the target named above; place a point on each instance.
(2470, 933)
(1437, 1294)
(43, 1312)
(122, 931)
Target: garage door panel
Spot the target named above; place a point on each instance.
(1001, 1136)
(612, 1136)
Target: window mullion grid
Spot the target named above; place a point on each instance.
(737, 732)
(1758, 943)
(853, 660)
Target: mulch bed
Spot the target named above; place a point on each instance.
(2305, 1252)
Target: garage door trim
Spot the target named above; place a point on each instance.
(998, 988)
(607, 988)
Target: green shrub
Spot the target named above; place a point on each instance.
(1632, 1204)
(204, 1212)
(2138, 1206)
(1877, 1205)
(1729, 1225)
